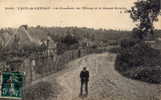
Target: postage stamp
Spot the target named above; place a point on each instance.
(11, 84)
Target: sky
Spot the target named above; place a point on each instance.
(98, 18)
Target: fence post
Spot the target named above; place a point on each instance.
(30, 67)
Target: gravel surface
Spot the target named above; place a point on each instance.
(105, 83)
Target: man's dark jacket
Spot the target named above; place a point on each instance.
(84, 75)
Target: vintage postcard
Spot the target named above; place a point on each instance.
(80, 49)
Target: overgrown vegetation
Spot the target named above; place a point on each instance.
(137, 59)
(140, 62)
(67, 43)
(42, 91)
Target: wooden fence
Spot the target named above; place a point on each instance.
(45, 65)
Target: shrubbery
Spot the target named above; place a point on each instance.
(139, 61)
(66, 43)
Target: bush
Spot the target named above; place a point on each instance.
(126, 43)
(114, 50)
(67, 43)
(140, 62)
(69, 40)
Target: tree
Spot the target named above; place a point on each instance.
(145, 13)
(137, 59)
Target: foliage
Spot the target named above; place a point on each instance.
(66, 43)
(145, 12)
(69, 40)
(140, 62)
(137, 59)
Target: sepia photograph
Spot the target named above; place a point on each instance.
(80, 50)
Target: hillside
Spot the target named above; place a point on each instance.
(39, 33)
(36, 34)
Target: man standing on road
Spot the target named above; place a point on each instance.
(84, 77)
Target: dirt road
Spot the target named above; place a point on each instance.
(105, 83)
